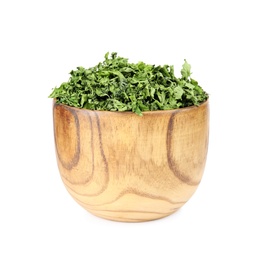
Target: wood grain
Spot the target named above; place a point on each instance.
(124, 167)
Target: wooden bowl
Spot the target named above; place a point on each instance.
(125, 167)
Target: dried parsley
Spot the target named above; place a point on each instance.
(117, 85)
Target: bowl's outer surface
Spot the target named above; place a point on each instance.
(125, 167)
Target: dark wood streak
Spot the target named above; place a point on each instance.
(113, 218)
(101, 146)
(106, 174)
(69, 165)
(87, 181)
(172, 164)
(125, 192)
(134, 211)
(117, 218)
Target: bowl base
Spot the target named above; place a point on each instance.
(131, 217)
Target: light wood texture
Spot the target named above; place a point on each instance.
(124, 167)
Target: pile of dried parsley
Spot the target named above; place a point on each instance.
(117, 85)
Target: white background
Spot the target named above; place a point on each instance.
(41, 41)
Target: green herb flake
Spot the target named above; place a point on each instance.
(117, 85)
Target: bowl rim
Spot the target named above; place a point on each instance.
(176, 110)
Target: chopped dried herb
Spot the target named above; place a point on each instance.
(117, 85)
